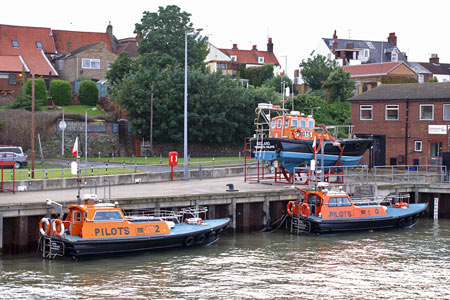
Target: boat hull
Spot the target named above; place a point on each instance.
(294, 153)
(396, 217)
(183, 235)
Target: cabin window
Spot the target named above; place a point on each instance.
(426, 112)
(108, 215)
(418, 146)
(446, 109)
(339, 201)
(365, 112)
(311, 124)
(294, 123)
(286, 123)
(391, 112)
(274, 123)
(77, 216)
(302, 124)
(279, 123)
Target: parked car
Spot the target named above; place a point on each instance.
(13, 154)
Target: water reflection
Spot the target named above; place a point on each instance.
(396, 264)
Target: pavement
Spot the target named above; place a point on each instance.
(156, 189)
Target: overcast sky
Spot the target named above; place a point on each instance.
(296, 27)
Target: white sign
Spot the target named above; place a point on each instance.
(62, 125)
(437, 129)
(436, 208)
(74, 168)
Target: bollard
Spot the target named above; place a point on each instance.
(124, 165)
(46, 174)
(213, 163)
(107, 167)
(200, 171)
(29, 173)
(113, 155)
(99, 154)
(92, 170)
(160, 158)
(239, 155)
(62, 172)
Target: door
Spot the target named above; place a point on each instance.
(379, 150)
(434, 153)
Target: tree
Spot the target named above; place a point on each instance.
(338, 85)
(315, 71)
(40, 90)
(256, 75)
(276, 83)
(61, 92)
(163, 32)
(120, 67)
(88, 93)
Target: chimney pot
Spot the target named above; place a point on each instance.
(235, 46)
(270, 45)
(392, 39)
(254, 47)
(434, 59)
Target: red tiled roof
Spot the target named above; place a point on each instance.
(11, 63)
(67, 41)
(26, 38)
(372, 69)
(251, 56)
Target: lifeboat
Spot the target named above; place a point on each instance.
(328, 211)
(103, 228)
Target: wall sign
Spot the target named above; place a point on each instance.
(437, 129)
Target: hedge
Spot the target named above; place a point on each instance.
(40, 90)
(61, 92)
(88, 93)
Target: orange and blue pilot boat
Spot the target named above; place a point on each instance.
(94, 229)
(328, 211)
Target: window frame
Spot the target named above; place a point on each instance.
(91, 61)
(365, 107)
(394, 107)
(294, 123)
(260, 59)
(418, 149)
(421, 114)
(12, 79)
(39, 45)
(443, 112)
(15, 43)
(279, 123)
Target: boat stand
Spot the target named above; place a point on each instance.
(299, 226)
(50, 248)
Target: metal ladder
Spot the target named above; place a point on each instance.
(299, 226)
(50, 248)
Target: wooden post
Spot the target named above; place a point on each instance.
(232, 213)
(266, 209)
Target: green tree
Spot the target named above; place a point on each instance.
(256, 75)
(276, 83)
(88, 93)
(61, 92)
(123, 65)
(163, 32)
(23, 102)
(40, 90)
(316, 70)
(338, 86)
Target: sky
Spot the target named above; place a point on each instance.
(296, 27)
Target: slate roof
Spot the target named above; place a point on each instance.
(375, 48)
(411, 91)
(371, 69)
(438, 69)
(26, 37)
(418, 68)
(67, 41)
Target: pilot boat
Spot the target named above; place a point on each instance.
(289, 140)
(328, 211)
(94, 229)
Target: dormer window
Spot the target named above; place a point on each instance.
(233, 58)
(394, 55)
(38, 45)
(15, 44)
(260, 59)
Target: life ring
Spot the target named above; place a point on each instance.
(189, 241)
(357, 146)
(297, 133)
(401, 205)
(201, 239)
(304, 210)
(292, 208)
(61, 226)
(44, 226)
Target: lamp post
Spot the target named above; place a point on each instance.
(186, 162)
(85, 138)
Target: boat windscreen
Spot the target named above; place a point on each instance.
(108, 215)
(339, 201)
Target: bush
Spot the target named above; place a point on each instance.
(61, 92)
(88, 93)
(40, 90)
(24, 102)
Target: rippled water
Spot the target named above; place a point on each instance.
(396, 264)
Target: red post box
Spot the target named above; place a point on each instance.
(173, 161)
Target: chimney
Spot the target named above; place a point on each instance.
(434, 59)
(335, 43)
(392, 39)
(254, 48)
(405, 55)
(270, 46)
(109, 31)
(235, 47)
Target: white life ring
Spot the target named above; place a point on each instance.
(61, 225)
(44, 227)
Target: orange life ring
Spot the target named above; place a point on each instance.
(304, 210)
(292, 208)
(401, 204)
(297, 133)
(61, 227)
(44, 229)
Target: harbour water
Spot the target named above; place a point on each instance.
(409, 263)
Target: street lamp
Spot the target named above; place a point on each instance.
(85, 138)
(186, 162)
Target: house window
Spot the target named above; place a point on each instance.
(446, 110)
(421, 79)
(418, 146)
(12, 79)
(15, 44)
(222, 66)
(38, 45)
(260, 59)
(90, 63)
(391, 112)
(426, 112)
(233, 57)
(394, 56)
(108, 65)
(61, 64)
(365, 112)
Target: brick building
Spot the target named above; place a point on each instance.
(409, 122)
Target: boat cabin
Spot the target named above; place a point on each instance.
(293, 126)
